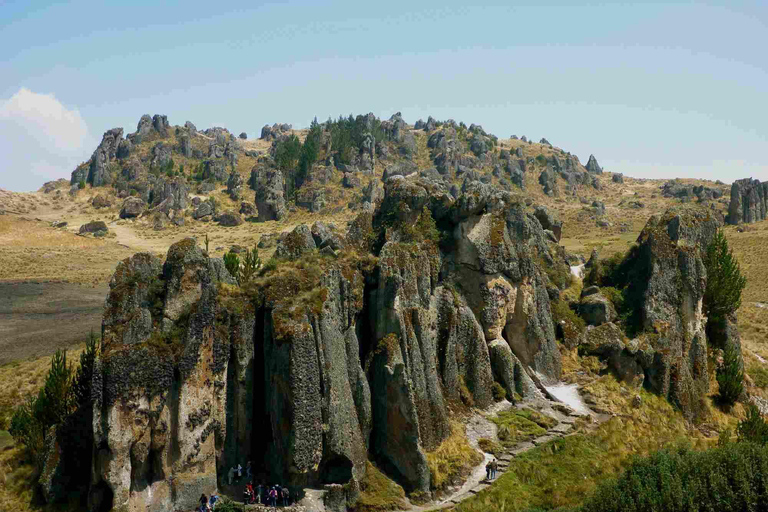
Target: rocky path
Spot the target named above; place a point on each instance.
(566, 411)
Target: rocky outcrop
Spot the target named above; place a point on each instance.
(275, 131)
(666, 284)
(234, 185)
(269, 200)
(749, 201)
(99, 171)
(549, 221)
(592, 165)
(349, 358)
(689, 192)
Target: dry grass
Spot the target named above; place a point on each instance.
(453, 460)
(378, 493)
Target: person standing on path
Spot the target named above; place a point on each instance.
(488, 471)
(231, 474)
(494, 467)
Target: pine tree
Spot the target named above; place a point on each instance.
(730, 376)
(724, 280)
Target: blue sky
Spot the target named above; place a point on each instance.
(653, 90)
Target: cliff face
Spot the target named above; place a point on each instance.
(328, 360)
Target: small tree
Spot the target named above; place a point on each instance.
(724, 280)
(232, 262)
(730, 376)
(250, 265)
(82, 383)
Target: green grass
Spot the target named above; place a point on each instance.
(5, 440)
(759, 374)
(516, 426)
(378, 493)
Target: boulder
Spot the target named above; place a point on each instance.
(132, 207)
(101, 201)
(230, 219)
(234, 185)
(243, 135)
(311, 199)
(95, 226)
(617, 177)
(325, 236)
(124, 149)
(190, 127)
(204, 210)
(548, 182)
(297, 243)
(592, 165)
(623, 358)
(351, 180)
(549, 220)
(596, 309)
(248, 209)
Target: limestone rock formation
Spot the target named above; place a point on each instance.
(592, 165)
(350, 359)
(270, 202)
(749, 201)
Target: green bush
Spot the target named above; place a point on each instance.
(753, 428)
(730, 376)
(727, 478)
(615, 296)
(232, 263)
(498, 391)
(81, 184)
(561, 311)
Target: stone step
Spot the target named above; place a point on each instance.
(522, 448)
(479, 487)
(562, 428)
(544, 439)
(506, 457)
(461, 497)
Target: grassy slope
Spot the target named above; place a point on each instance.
(563, 472)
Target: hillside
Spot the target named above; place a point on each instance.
(415, 280)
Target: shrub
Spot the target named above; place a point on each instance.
(423, 229)
(561, 311)
(232, 262)
(541, 159)
(753, 427)
(730, 376)
(759, 375)
(250, 265)
(498, 391)
(730, 477)
(81, 184)
(490, 446)
(269, 266)
(615, 296)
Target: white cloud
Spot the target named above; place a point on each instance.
(40, 138)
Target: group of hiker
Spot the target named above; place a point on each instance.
(266, 495)
(490, 469)
(270, 496)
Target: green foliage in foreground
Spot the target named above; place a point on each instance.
(65, 391)
(732, 477)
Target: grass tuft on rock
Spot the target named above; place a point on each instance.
(453, 459)
(378, 492)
